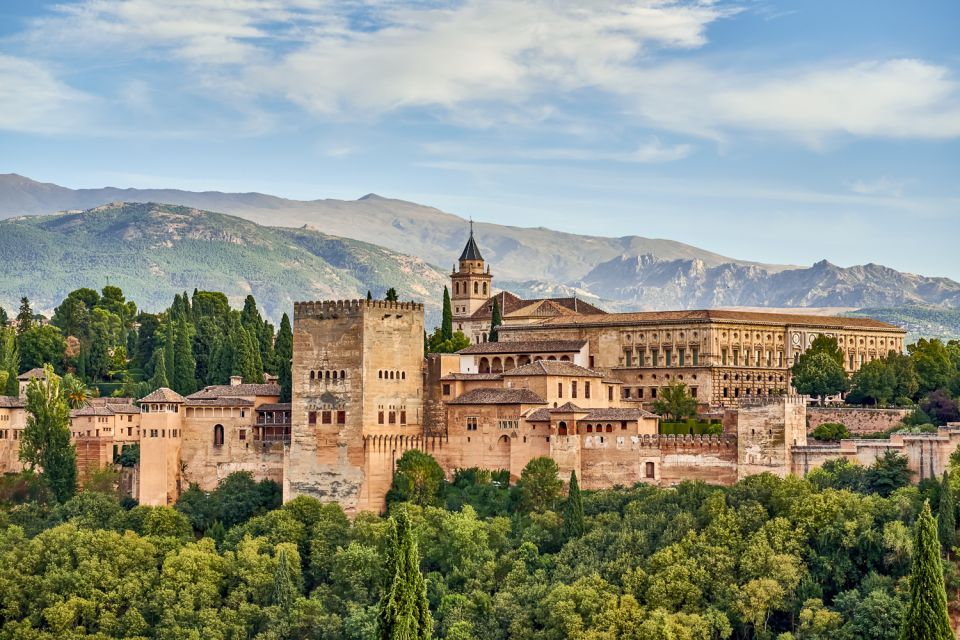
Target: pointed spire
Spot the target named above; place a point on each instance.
(471, 251)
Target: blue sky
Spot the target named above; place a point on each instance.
(782, 132)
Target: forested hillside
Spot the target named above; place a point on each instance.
(153, 251)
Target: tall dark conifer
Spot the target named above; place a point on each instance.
(446, 327)
(947, 516)
(495, 321)
(573, 525)
(926, 617)
(404, 610)
(185, 366)
(283, 348)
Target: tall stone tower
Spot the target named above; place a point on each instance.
(357, 375)
(472, 281)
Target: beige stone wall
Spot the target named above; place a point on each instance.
(857, 420)
(12, 423)
(376, 349)
(766, 431)
(160, 457)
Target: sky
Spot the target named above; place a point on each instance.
(782, 132)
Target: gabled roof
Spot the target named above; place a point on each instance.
(525, 346)
(567, 407)
(512, 305)
(471, 251)
(499, 396)
(553, 368)
(236, 390)
(163, 394)
(12, 402)
(33, 373)
(92, 410)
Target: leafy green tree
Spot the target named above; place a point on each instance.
(906, 381)
(940, 407)
(437, 344)
(831, 431)
(25, 316)
(675, 402)
(827, 345)
(890, 472)
(40, 345)
(391, 295)
(4, 318)
(540, 487)
(818, 374)
(947, 515)
(446, 327)
(932, 363)
(9, 360)
(495, 321)
(874, 382)
(418, 479)
(148, 338)
(926, 617)
(45, 441)
(283, 349)
(573, 524)
(404, 612)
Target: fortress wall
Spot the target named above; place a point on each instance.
(857, 420)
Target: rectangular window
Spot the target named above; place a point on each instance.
(693, 392)
(586, 389)
(325, 417)
(610, 392)
(653, 392)
(779, 358)
(446, 389)
(341, 417)
(640, 393)
(758, 358)
(695, 356)
(471, 423)
(153, 433)
(242, 434)
(736, 358)
(726, 392)
(654, 358)
(403, 417)
(573, 389)
(851, 361)
(723, 357)
(559, 389)
(591, 362)
(681, 357)
(312, 417)
(392, 417)
(769, 358)
(629, 357)
(380, 417)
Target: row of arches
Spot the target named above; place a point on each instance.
(499, 365)
(328, 375)
(391, 375)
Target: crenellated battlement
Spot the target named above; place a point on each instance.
(689, 440)
(321, 309)
(403, 442)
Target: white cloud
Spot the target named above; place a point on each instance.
(488, 63)
(34, 100)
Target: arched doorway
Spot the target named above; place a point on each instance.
(561, 428)
(218, 435)
(484, 366)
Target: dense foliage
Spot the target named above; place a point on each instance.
(769, 557)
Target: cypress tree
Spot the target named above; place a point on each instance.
(369, 295)
(82, 363)
(947, 516)
(283, 590)
(573, 511)
(25, 316)
(253, 366)
(926, 616)
(170, 347)
(159, 378)
(283, 349)
(184, 367)
(446, 328)
(495, 322)
(391, 295)
(404, 611)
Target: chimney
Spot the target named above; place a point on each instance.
(236, 381)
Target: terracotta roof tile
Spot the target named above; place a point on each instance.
(218, 402)
(12, 402)
(276, 406)
(512, 304)
(553, 368)
(235, 390)
(708, 315)
(499, 396)
(38, 372)
(525, 346)
(163, 394)
(472, 376)
(616, 413)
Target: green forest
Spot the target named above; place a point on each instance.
(477, 558)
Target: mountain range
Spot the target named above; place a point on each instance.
(341, 248)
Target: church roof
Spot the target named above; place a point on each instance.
(511, 305)
(471, 251)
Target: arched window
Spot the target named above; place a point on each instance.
(380, 374)
(334, 375)
(561, 428)
(484, 288)
(391, 375)
(343, 374)
(326, 374)
(484, 365)
(313, 374)
(649, 470)
(403, 375)
(476, 287)
(456, 288)
(218, 435)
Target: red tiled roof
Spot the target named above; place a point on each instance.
(12, 402)
(276, 406)
(218, 402)
(525, 346)
(709, 315)
(472, 376)
(163, 394)
(553, 368)
(37, 372)
(499, 396)
(510, 303)
(236, 390)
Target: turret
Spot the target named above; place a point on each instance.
(471, 280)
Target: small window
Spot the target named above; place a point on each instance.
(380, 417)
(403, 417)
(393, 417)
(573, 389)
(446, 389)
(312, 417)
(471, 424)
(650, 469)
(341, 417)
(217, 435)
(586, 389)
(559, 389)
(610, 393)
(242, 434)
(325, 417)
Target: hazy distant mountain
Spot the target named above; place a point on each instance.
(648, 282)
(153, 251)
(438, 237)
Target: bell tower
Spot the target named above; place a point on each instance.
(471, 281)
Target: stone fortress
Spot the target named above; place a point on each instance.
(564, 380)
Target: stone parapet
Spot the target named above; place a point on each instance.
(324, 308)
